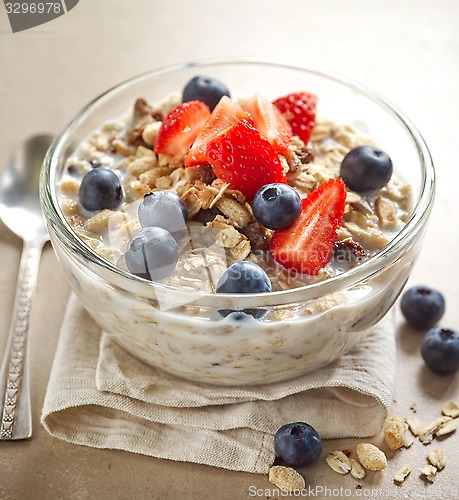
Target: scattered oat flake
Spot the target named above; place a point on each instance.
(437, 458)
(339, 462)
(427, 434)
(357, 470)
(446, 428)
(371, 457)
(402, 473)
(394, 432)
(408, 442)
(414, 425)
(286, 478)
(450, 409)
(429, 471)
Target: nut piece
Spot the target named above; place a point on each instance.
(429, 471)
(394, 432)
(339, 462)
(437, 458)
(414, 425)
(446, 428)
(371, 457)
(286, 479)
(402, 473)
(450, 409)
(357, 470)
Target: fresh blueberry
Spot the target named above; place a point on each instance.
(242, 314)
(205, 89)
(152, 253)
(244, 277)
(366, 168)
(100, 188)
(440, 350)
(297, 444)
(164, 209)
(422, 307)
(276, 206)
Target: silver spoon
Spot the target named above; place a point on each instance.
(20, 211)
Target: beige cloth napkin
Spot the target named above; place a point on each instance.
(99, 395)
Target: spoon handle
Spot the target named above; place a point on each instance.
(15, 412)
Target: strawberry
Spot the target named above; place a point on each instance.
(181, 127)
(225, 114)
(299, 109)
(307, 246)
(245, 159)
(268, 120)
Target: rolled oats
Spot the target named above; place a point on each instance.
(141, 165)
(447, 428)
(395, 432)
(429, 472)
(386, 212)
(70, 187)
(427, 434)
(402, 474)
(414, 425)
(150, 133)
(371, 457)
(450, 409)
(339, 462)
(437, 458)
(286, 478)
(357, 470)
(70, 207)
(237, 214)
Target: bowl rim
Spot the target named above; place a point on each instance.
(385, 256)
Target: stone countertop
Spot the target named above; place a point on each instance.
(406, 50)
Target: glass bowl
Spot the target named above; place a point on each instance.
(304, 328)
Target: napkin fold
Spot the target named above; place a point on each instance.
(100, 395)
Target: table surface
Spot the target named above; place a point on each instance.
(406, 50)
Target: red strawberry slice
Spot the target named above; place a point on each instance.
(181, 127)
(299, 109)
(268, 120)
(225, 114)
(245, 159)
(307, 246)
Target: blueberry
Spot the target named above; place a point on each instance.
(164, 209)
(422, 307)
(152, 253)
(244, 277)
(366, 168)
(440, 350)
(276, 206)
(240, 315)
(205, 89)
(100, 188)
(297, 444)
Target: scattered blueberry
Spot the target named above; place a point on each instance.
(422, 307)
(152, 253)
(440, 350)
(244, 277)
(164, 209)
(205, 89)
(100, 188)
(366, 168)
(276, 206)
(297, 444)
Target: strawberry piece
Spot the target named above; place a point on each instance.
(299, 109)
(181, 127)
(307, 246)
(269, 121)
(225, 114)
(245, 159)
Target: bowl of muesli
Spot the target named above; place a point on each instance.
(238, 222)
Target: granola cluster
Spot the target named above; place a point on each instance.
(221, 224)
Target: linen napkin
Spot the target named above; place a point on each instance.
(100, 395)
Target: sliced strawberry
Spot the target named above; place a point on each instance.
(181, 127)
(299, 109)
(307, 246)
(268, 120)
(245, 159)
(225, 114)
